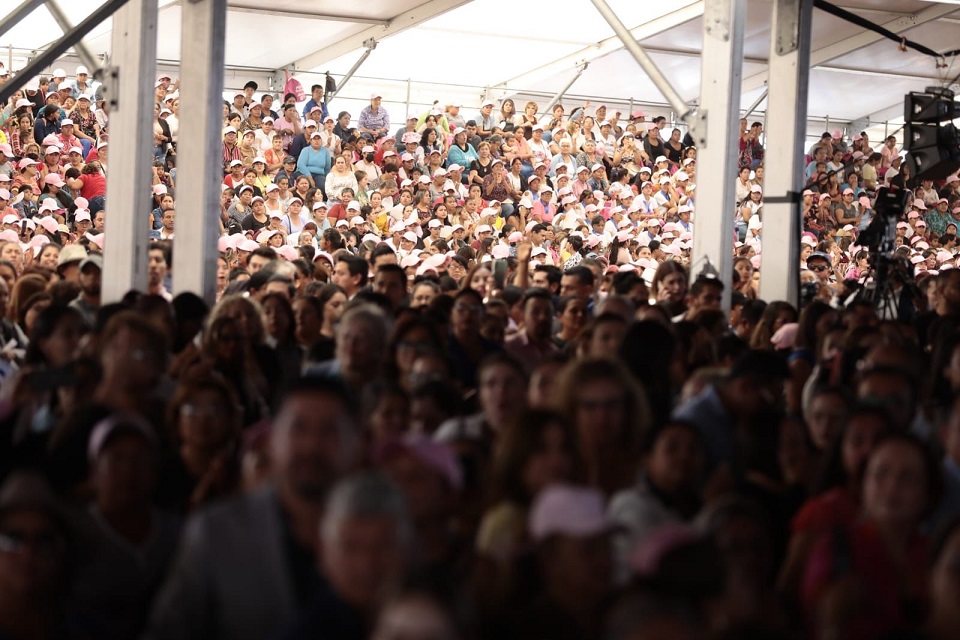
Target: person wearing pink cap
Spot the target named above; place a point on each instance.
(70, 136)
(54, 188)
(845, 212)
(27, 174)
(374, 120)
(572, 538)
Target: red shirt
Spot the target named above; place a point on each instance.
(338, 212)
(826, 512)
(891, 599)
(94, 185)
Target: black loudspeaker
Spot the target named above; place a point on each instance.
(928, 107)
(934, 151)
(929, 136)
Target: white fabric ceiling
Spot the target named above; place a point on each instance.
(460, 50)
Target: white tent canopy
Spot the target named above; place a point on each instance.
(462, 50)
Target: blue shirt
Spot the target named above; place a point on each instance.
(311, 103)
(42, 128)
(314, 162)
(456, 155)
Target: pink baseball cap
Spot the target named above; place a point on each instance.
(568, 510)
(53, 179)
(437, 456)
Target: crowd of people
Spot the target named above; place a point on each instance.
(461, 381)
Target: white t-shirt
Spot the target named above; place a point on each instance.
(541, 152)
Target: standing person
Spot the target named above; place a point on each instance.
(316, 100)
(263, 542)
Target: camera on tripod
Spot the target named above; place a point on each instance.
(888, 276)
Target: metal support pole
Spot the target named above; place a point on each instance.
(58, 48)
(719, 114)
(83, 51)
(370, 44)
(559, 94)
(786, 132)
(131, 143)
(408, 97)
(199, 151)
(756, 103)
(14, 17)
(644, 60)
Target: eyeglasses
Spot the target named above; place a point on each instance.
(819, 267)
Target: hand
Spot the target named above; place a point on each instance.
(523, 250)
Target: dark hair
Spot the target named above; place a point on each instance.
(196, 383)
(519, 441)
(807, 324)
(326, 292)
(651, 437)
(433, 345)
(395, 269)
(648, 350)
(381, 249)
(582, 274)
(764, 329)
(665, 269)
(832, 474)
(333, 237)
(165, 247)
(44, 326)
(287, 308)
(263, 252)
(702, 283)
(32, 301)
(314, 385)
(554, 274)
(357, 267)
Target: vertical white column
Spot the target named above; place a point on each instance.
(130, 93)
(719, 112)
(786, 127)
(199, 150)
